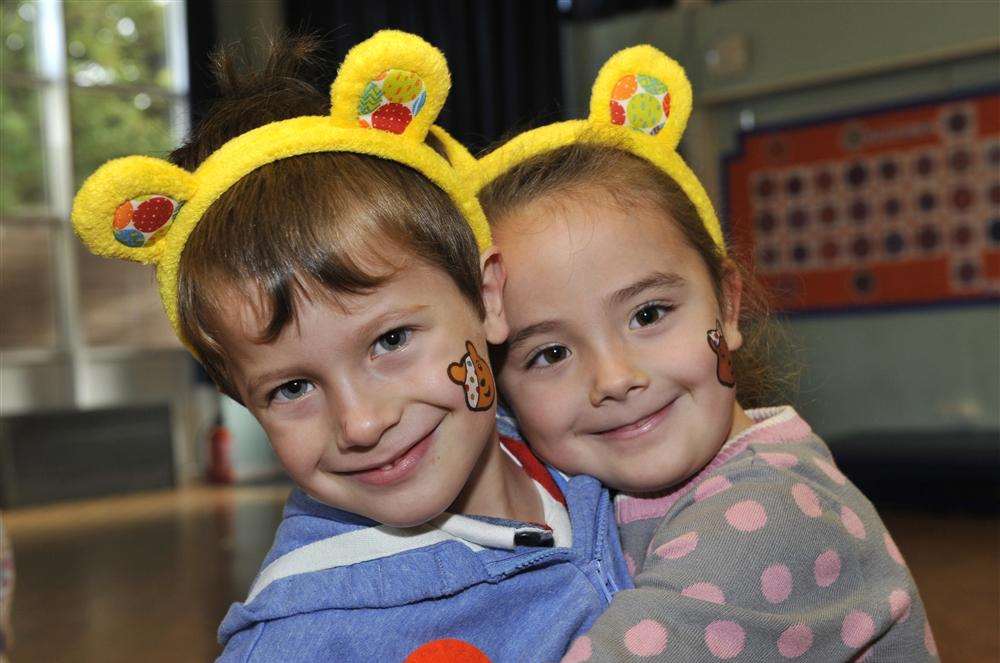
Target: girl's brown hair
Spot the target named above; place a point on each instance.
(323, 220)
(629, 179)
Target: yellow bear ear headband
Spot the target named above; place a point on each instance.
(388, 92)
(640, 102)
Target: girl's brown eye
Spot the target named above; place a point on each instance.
(555, 354)
(648, 315)
(548, 356)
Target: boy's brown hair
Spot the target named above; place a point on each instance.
(322, 220)
(629, 179)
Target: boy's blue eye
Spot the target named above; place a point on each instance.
(292, 390)
(549, 356)
(392, 341)
(648, 315)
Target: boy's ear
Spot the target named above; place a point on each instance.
(732, 293)
(494, 280)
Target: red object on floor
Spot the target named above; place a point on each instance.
(220, 469)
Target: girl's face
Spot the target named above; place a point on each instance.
(609, 368)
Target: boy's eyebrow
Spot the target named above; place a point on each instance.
(378, 322)
(258, 381)
(523, 334)
(654, 280)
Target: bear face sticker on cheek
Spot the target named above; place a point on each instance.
(473, 374)
(724, 367)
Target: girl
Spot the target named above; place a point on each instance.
(630, 356)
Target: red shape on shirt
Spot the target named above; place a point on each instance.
(447, 650)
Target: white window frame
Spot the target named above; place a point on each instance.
(51, 80)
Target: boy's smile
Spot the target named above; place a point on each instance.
(356, 397)
(608, 368)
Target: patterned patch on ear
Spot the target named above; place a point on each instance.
(391, 101)
(640, 102)
(143, 220)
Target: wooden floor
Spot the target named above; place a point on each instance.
(148, 577)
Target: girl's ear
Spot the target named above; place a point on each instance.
(494, 280)
(732, 292)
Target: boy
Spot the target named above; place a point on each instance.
(322, 264)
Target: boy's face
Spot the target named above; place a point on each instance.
(356, 397)
(609, 369)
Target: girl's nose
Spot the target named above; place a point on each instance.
(615, 377)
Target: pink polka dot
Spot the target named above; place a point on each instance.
(581, 650)
(678, 547)
(712, 486)
(779, 459)
(831, 471)
(746, 516)
(795, 641)
(826, 569)
(929, 639)
(630, 564)
(647, 638)
(852, 523)
(725, 639)
(704, 591)
(899, 605)
(806, 498)
(893, 550)
(776, 583)
(858, 628)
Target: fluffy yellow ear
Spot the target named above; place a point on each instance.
(458, 155)
(644, 90)
(127, 207)
(393, 82)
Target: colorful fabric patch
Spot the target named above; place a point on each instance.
(391, 101)
(640, 102)
(141, 221)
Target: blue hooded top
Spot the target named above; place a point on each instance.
(340, 587)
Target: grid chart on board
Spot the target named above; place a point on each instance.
(901, 206)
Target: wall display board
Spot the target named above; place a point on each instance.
(898, 206)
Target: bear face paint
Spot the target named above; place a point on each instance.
(473, 373)
(724, 367)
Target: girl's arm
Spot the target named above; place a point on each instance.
(772, 567)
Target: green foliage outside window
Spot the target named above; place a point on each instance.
(113, 50)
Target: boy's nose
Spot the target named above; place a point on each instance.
(615, 376)
(363, 421)
(361, 430)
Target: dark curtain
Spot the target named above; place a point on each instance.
(201, 37)
(503, 55)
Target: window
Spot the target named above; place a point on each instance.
(83, 82)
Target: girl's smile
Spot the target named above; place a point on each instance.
(639, 427)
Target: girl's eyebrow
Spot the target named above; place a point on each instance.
(654, 280)
(523, 334)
